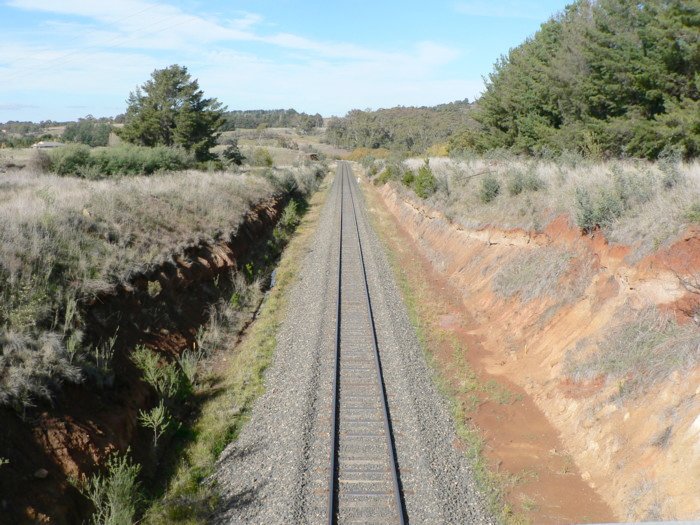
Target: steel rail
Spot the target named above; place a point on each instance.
(396, 480)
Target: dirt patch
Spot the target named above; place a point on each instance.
(85, 423)
(580, 439)
(541, 480)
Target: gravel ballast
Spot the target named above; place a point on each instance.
(277, 470)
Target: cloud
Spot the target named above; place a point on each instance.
(503, 9)
(111, 47)
(13, 106)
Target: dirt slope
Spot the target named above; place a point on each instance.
(85, 423)
(640, 453)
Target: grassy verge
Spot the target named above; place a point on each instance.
(189, 498)
(419, 302)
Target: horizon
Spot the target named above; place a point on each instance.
(70, 59)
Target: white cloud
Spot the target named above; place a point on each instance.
(119, 43)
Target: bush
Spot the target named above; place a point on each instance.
(599, 211)
(115, 495)
(80, 161)
(68, 160)
(489, 189)
(425, 183)
(515, 184)
(166, 379)
(261, 157)
(408, 178)
(32, 368)
(233, 154)
(692, 214)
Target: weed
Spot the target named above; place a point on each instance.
(692, 214)
(157, 419)
(189, 364)
(114, 494)
(4, 461)
(489, 189)
(408, 178)
(166, 379)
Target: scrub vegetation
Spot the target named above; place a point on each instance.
(637, 203)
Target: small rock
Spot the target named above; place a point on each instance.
(42, 473)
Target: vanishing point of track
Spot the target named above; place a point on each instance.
(364, 481)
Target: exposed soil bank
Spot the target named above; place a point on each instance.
(565, 440)
(87, 423)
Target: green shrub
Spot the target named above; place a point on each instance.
(233, 154)
(157, 419)
(489, 189)
(261, 157)
(115, 494)
(81, 161)
(532, 182)
(165, 378)
(68, 160)
(692, 214)
(425, 182)
(515, 184)
(597, 211)
(408, 178)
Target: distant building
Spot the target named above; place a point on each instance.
(43, 144)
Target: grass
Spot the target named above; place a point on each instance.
(638, 352)
(545, 271)
(189, 497)
(63, 240)
(638, 203)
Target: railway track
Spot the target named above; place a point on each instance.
(363, 479)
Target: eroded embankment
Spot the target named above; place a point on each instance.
(161, 308)
(633, 435)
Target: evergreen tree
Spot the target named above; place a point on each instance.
(170, 110)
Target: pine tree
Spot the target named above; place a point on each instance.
(170, 110)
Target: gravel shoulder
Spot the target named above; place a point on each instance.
(276, 471)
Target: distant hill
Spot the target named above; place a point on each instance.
(410, 129)
(271, 118)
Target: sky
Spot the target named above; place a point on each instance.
(65, 59)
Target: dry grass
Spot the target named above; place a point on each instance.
(545, 271)
(63, 239)
(654, 199)
(638, 352)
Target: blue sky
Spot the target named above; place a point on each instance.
(64, 59)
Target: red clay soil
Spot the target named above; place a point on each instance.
(85, 424)
(541, 481)
(576, 451)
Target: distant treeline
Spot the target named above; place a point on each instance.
(89, 130)
(605, 77)
(271, 118)
(410, 129)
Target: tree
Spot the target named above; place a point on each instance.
(88, 131)
(170, 110)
